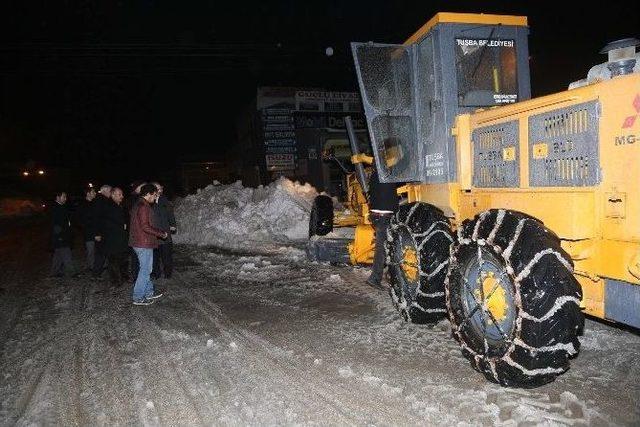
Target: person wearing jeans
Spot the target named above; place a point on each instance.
(143, 238)
(143, 288)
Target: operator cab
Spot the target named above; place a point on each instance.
(486, 72)
(455, 63)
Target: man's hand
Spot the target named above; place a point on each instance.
(165, 235)
(98, 238)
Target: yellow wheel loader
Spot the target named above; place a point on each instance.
(522, 213)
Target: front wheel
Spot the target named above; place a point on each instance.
(418, 240)
(512, 299)
(321, 216)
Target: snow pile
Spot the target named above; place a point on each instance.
(19, 207)
(237, 217)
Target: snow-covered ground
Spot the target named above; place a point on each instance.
(264, 338)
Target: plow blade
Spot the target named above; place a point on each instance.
(332, 250)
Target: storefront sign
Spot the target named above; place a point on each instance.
(280, 162)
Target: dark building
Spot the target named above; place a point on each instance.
(195, 175)
(291, 131)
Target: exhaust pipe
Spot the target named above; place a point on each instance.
(621, 54)
(622, 60)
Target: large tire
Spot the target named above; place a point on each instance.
(417, 246)
(321, 217)
(512, 299)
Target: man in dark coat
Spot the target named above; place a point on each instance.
(100, 206)
(383, 203)
(165, 220)
(129, 203)
(87, 222)
(115, 238)
(61, 237)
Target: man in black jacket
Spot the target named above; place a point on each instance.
(129, 203)
(164, 219)
(100, 206)
(87, 222)
(383, 203)
(115, 238)
(61, 237)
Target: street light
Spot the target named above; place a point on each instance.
(40, 172)
(25, 173)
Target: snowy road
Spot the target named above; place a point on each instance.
(264, 338)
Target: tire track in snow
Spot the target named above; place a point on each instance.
(168, 369)
(15, 260)
(114, 374)
(69, 355)
(385, 328)
(67, 386)
(62, 353)
(7, 333)
(26, 398)
(276, 374)
(350, 405)
(257, 352)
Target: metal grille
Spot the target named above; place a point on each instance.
(564, 147)
(385, 77)
(495, 156)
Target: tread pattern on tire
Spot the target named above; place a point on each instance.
(432, 236)
(547, 298)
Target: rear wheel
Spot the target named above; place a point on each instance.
(418, 241)
(321, 217)
(512, 299)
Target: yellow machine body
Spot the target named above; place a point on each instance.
(580, 173)
(362, 246)
(599, 225)
(355, 214)
(355, 210)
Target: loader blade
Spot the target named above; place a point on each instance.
(332, 250)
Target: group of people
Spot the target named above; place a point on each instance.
(140, 227)
(115, 230)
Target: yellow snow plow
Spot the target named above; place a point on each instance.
(522, 213)
(342, 233)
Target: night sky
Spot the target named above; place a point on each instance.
(117, 90)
